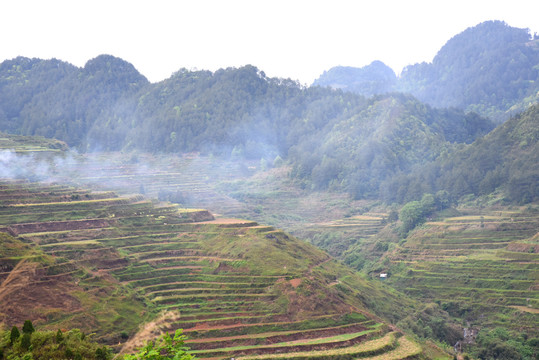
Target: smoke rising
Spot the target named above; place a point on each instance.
(190, 179)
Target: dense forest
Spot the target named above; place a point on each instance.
(332, 138)
(388, 136)
(492, 69)
(506, 159)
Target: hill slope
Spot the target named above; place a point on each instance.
(489, 68)
(482, 266)
(241, 113)
(388, 136)
(505, 160)
(240, 288)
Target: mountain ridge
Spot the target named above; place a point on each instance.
(490, 68)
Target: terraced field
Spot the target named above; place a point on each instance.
(339, 235)
(227, 188)
(237, 289)
(483, 267)
(30, 144)
(185, 179)
(230, 188)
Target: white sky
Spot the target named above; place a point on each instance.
(295, 39)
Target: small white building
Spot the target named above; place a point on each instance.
(383, 276)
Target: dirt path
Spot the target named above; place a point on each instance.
(526, 309)
(225, 221)
(150, 331)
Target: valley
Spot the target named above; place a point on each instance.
(205, 269)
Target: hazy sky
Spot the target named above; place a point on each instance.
(294, 39)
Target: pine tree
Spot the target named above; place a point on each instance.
(15, 334)
(28, 328)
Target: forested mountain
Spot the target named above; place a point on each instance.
(332, 137)
(375, 78)
(231, 110)
(54, 99)
(246, 288)
(506, 159)
(489, 68)
(386, 137)
(108, 105)
(492, 69)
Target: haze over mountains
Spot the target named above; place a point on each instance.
(108, 105)
(490, 69)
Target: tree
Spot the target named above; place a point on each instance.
(164, 348)
(443, 199)
(102, 353)
(411, 215)
(392, 216)
(28, 328)
(14, 335)
(25, 341)
(428, 203)
(59, 336)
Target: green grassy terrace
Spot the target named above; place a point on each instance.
(239, 288)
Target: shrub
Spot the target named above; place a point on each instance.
(165, 347)
(25, 341)
(59, 336)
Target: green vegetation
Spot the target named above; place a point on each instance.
(199, 268)
(416, 212)
(72, 344)
(506, 160)
(456, 76)
(333, 139)
(373, 79)
(388, 136)
(166, 347)
(470, 266)
(27, 144)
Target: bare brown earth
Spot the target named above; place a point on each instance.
(306, 347)
(295, 282)
(222, 221)
(523, 247)
(28, 293)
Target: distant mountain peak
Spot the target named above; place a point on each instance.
(375, 78)
(491, 68)
(110, 64)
